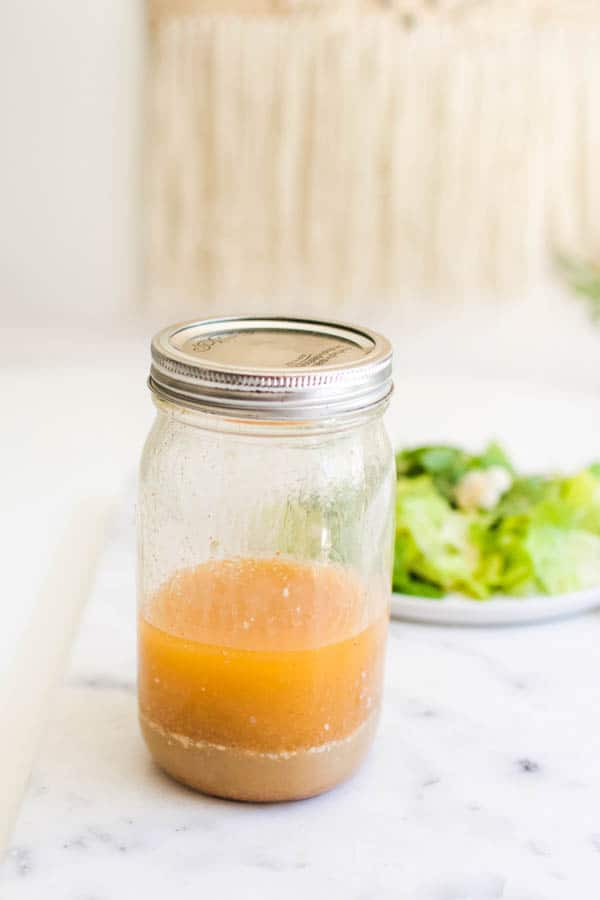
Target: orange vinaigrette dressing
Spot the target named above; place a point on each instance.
(260, 678)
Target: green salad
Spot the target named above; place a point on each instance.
(472, 524)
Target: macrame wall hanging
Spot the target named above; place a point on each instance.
(303, 155)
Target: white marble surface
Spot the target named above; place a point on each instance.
(484, 781)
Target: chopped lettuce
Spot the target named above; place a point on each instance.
(564, 560)
(541, 537)
(433, 544)
(447, 465)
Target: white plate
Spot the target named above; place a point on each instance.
(458, 610)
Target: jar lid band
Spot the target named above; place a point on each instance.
(271, 368)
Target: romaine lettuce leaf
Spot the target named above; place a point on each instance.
(433, 543)
(564, 560)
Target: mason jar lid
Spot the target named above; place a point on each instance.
(271, 368)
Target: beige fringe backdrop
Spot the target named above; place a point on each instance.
(303, 161)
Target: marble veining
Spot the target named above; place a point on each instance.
(484, 782)
(101, 682)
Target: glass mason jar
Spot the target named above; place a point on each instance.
(265, 525)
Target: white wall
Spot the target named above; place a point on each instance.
(69, 127)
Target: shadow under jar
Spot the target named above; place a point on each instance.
(265, 529)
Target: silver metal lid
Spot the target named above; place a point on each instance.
(271, 368)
